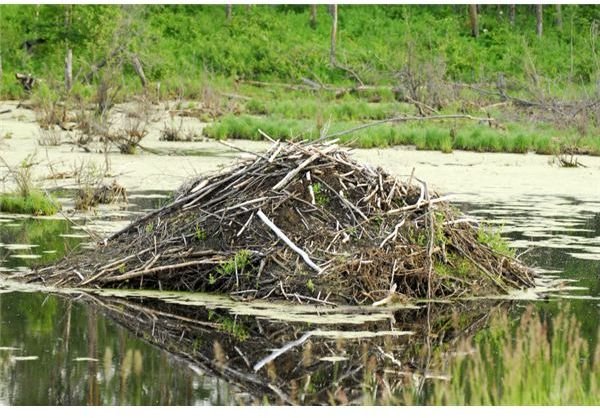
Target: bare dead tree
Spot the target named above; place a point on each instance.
(313, 16)
(334, 20)
(139, 70)
(69, 70)
(558, 18)
(539, 17)
(473, 20)
(512, 13)
(228, 11)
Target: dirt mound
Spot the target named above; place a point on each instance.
(304, 223)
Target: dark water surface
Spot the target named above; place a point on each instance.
(95, 350)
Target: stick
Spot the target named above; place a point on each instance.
(284, 181)
(417, 205)
(290, 244)
(282, 350)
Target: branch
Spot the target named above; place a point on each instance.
(290, 244)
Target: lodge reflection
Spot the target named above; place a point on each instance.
(335, 364)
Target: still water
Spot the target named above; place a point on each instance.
(141, 348)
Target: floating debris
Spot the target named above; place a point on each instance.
(18, 247)
(24, 358)
(25, 256)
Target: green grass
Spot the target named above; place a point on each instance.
(313, 108)
(442, 136)
(541, 362)
(36, 203)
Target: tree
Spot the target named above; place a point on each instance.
(558, 18)
(512, 13)
(334, 19)
(539, 19)
(313, 16)
(473, 20)
(228, 12)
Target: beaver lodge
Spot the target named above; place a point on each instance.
(304, 223)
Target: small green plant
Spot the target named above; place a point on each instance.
(230, 326)
(320, 197)
(200, 233)
(310, 286)
(491, 237)
(236, 263)
(149, 228)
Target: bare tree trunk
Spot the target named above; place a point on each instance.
(334, 19)
(558, 19)
(313, 16)
(512, 13)
(228, 11)
(69, 70)
(473, 20)
(539, 19)
(137, 65)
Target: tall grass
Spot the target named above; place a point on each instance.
(444, 137)
(35, 203)
(308, 108)
(541, 362)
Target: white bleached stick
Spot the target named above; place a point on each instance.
(290, 244)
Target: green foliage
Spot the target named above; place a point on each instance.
(181, 43)
(231, 326)
(200, 233)
(320, 197)
(236, 263)
(35, 203)
(491, 237)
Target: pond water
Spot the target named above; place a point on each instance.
(142, 348)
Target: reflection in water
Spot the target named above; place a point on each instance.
(84, 359)
(325, 364)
